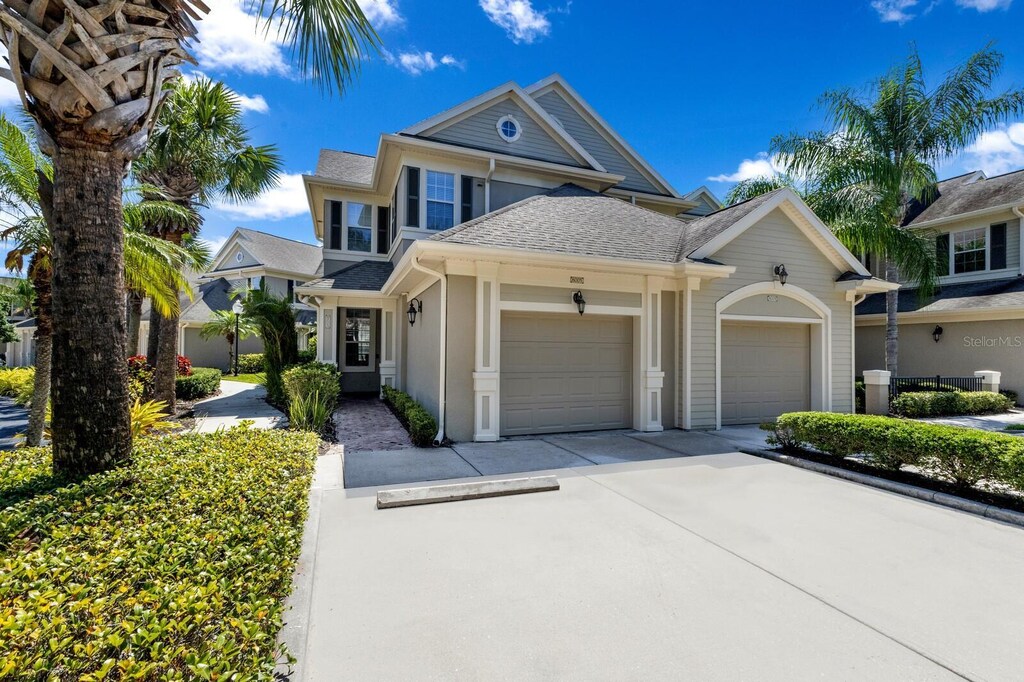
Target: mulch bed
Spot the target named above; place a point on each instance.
(994, 498)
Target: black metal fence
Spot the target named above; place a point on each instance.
(899, 385)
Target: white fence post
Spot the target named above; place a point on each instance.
(876, 391)
(989, 380)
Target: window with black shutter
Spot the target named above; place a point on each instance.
(997, 250)
(412, 197)
(334, 241)
(467, 198)
(942, 254)
(383, 219)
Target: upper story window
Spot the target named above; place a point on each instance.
(440, 200)
(969, 250)
(360, 227)
(509, 129)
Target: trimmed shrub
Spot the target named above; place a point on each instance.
(172, 567)
(1012, 395)
(422, 427)
(184, 366)
(200, 383)
(963, 456)
(307, 356)
(250, 363)
(18, 383)
(303, 381)
(949, 403)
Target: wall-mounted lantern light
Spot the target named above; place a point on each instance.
(415, 306)
(581, 303)
(937, 333)
(781, 274)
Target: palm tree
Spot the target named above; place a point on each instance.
(199, 151)
(223, 325)
(92, 74)
(274, 319)
(25, 202)
(879, 157)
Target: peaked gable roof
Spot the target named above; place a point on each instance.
(969, 193)
(345, 166)
(269, 251)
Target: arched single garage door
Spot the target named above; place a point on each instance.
(766, 371)
(564, 373)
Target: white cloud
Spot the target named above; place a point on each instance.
(381, 13)
(255, 103)
(231, 39)
(894, 10)
(215, 244)
(521, 21)
(985, 5)
(416, 63)
(998, 151)
(8, 93)
(759, 167)
(286, 200)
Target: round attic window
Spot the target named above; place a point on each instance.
(238, 256)
(509, 129)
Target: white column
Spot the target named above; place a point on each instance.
(486, 415)
(876, 391)
(652, 378)
(389, 344)
(325, 337)
(989, 380)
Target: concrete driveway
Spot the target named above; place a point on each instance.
(709, 567)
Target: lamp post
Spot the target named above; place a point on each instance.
(237, 309)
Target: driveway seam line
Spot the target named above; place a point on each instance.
(783, 580)
(471, 466)
(678, 453)
(576, 454)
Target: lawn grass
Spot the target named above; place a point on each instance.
(1015, 427)
(257, 378)
(172, 567)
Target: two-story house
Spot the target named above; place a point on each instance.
(975, 320)
(517, 267)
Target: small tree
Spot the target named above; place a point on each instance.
(275, 320)
(223, 325)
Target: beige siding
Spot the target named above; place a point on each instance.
(214, 352)
(480, 131)
(773, 240)
(1013, 263)
(422, 351)
(461, 357)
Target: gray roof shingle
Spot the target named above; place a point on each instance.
(702, 230)
(989, 294)
(959, 195)
(209, 297)
(345, 166)
(279, 253)
(368, 275)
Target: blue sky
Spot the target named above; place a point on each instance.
(699, 89)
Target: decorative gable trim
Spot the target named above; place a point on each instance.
(558, 84)
(511, 91)
(806, 221)
(709, 196)
(224, 258)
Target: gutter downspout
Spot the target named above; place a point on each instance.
(487, 187)
(442, 387)
(1020, 228)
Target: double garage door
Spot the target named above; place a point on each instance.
(564, 373)
(766, 371)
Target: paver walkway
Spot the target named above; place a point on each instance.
(366, 424)
(237, 401)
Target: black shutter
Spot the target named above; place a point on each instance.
(412, 197)
(335, 239)
(997, 251)
(467, 198)
(383, 220)
(942, 254)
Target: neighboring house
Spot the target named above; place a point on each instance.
(978, 311)
(248, 259)
(20, 353)
(518, 268)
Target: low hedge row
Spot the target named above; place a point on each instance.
(250, 363)
(963, 456)
(173, 567)
(200, 383)
(18, 383)
(421, 424)
(949, 403)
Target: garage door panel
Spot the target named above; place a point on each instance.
(565, 373)
(765, 371)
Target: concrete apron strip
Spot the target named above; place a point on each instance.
(943, 499)
(454, 492)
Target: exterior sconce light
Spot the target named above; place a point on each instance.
(415, 306)
(781, 274)
(581, 303)
(937, 333)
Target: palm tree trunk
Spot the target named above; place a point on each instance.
(41, 275)
(91, 427)
(892, 330)
(153, 338)
(166, 367)
(134, 318)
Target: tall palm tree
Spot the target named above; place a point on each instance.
(26, 207)
(878, 157)
(92, 75)
(223, 325)
(199, 151)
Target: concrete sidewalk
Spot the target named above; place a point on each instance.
(13, 420)
(237, 401)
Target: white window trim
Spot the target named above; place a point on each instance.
(511, 119)
(426, 201)
(372, 367)
(372, 228)
(952, 251)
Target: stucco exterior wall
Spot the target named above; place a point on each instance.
(214, 352)
(964, 348)
(461, 357)
(773, 240)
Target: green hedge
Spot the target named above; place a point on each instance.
(949, 403)
(250, 363)
(18, 383)
(963, 456)
(314, 377)
(421, 425)
(202, 382)
(173, 567)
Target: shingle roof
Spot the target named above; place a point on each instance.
(368, 275)
(962, 195)
(989, 294)
(209, 297)
(573, 220)
(278, 253)
(345, 166)
(702, 230)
